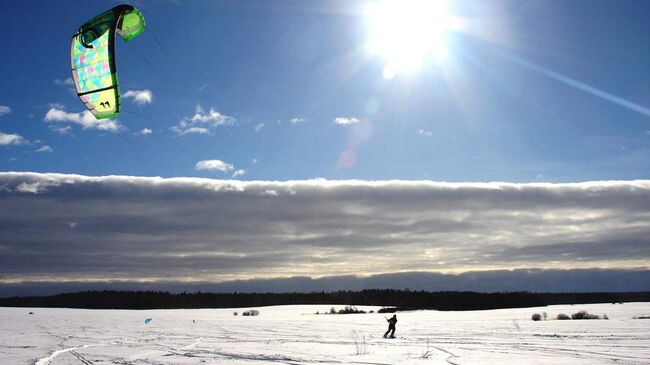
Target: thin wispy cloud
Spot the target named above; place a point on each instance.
(12, 139)
(424, 132)
(240, 172)
(67, 130)
(155, 228)
(295, 121)
(140, 97)
(191, 130)
(346, 121)
(44, 149)
(258, 127)
(85, 119)
(64, 82)
(56, 105)
(215, 165)
(4, 110)
(145, 131)
(202, 122)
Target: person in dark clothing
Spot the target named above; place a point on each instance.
(391, 326)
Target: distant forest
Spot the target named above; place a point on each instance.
(402, 299)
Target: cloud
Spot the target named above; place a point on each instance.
(259, 127)
(533, 280)
(44, 149)
(56, 105)
(137, 228)
(140, 97)
(12, 140)
(60, 130)
(424, 132)
(85, 119)
(346, 121)
(4, 110)
(240, 172)
(202, 122)
(145, 131)
(214, 165)
(65, 82)
(192, 130)
(295, 121)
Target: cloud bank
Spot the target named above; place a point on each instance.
(140, 229)
(533, 280)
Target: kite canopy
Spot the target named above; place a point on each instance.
(92, 56)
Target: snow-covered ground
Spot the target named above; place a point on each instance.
(295, 335)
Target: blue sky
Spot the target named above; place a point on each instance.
(481, 114)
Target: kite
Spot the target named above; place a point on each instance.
(92, 56)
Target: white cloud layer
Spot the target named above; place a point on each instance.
(346, 121)
(140, 97)
(137, 228)
(259, 127)
(85, 119)
(4, 110)
(424, 132)
(202, 122)
(12, 139)
(214, 165)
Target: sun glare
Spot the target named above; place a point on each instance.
(408, 33)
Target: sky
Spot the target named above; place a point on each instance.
(263, 140)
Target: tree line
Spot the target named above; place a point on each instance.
(402, 299)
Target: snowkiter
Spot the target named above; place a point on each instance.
(391, 326)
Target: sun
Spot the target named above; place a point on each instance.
(408, 33)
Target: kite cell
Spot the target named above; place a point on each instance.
(92, 56)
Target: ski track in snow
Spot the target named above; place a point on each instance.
(295, 335)
(48, 359)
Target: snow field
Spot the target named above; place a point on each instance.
(295, 335)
